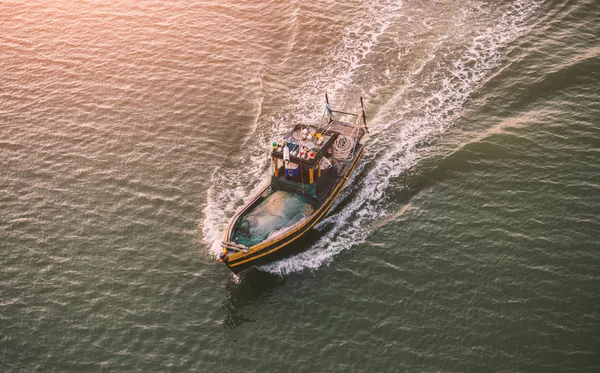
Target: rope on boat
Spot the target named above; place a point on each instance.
(343, 148)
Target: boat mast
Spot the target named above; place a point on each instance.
(362, 106)
(328, 110)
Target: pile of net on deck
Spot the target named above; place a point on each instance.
(274, 215)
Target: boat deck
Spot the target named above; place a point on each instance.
(345, 130)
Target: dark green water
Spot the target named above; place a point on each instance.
(468, 240)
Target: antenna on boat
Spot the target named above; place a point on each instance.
(362, 106)
(328, 109)
(328, 112)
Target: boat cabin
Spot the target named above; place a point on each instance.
(308, 159)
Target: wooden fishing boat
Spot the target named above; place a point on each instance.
(310, 166)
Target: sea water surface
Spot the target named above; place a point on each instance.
(467, 240)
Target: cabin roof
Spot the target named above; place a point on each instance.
(329, 132)
(294, 137)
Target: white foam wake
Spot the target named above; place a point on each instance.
(398, 136)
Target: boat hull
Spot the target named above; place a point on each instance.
(270, 251)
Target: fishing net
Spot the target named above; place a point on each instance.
(276, 213)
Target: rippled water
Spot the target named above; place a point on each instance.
(467, 240)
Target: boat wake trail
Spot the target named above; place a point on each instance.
(434, 94)
(422, 70)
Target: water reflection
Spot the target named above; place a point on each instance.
(254, 287)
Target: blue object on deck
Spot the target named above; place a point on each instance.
(292, 170)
